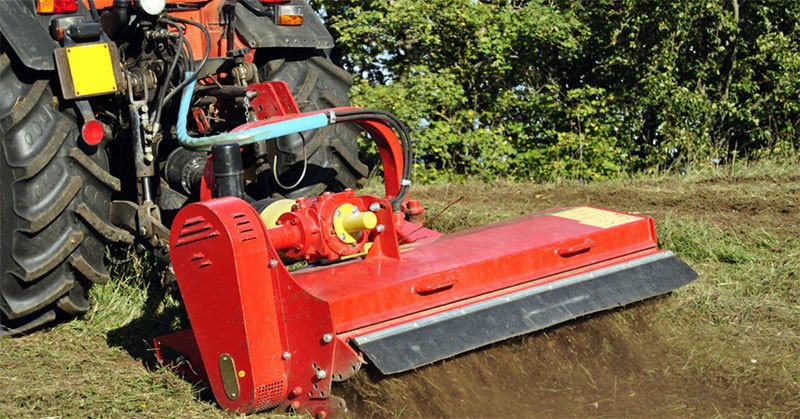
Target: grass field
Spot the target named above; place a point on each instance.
(726, 345)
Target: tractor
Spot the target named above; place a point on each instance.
(88, 104)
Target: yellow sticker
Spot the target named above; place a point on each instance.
(596, 217)
(92, 69)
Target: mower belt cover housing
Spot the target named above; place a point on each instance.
(263, 336)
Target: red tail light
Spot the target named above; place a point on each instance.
(92, 132)
(56, 6)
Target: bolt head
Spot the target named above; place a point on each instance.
(338, 213)
(321, 374)
(286, 355)
(341, 237)
(327, 338)
(355, 210)
(379, 228)
(374, 207)
(273, 263)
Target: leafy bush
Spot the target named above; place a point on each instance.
(580, 89)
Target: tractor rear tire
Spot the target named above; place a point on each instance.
(331, 152)
(54, 208)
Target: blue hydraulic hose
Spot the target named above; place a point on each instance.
(249, 136)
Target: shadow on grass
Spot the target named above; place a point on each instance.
(161, 315)
(162, 312)
(137, 336)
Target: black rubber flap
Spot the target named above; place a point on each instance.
(411, 345)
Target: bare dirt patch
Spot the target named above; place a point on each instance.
(616, 364)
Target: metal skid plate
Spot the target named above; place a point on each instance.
(411, 345)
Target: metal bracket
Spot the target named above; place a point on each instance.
(85, 109)
(143, 220)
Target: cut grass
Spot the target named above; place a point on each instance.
(100, 365)
(737, 327)
(742, 317)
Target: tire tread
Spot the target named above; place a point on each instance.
(317, 83)
(55, 218)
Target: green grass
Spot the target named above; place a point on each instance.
(738, 326)
(101, 365)
(743, 315)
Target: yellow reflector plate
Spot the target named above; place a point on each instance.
(91, 69)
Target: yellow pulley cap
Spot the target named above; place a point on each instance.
(348, 221)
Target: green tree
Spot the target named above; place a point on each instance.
(584, 89)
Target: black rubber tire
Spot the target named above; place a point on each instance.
(332, 151)
(54, 208)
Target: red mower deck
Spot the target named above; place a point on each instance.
(289, 334)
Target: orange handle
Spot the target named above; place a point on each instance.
(430, 289)
(585, 246)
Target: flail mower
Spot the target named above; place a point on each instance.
(218, 134)
(379, 287)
